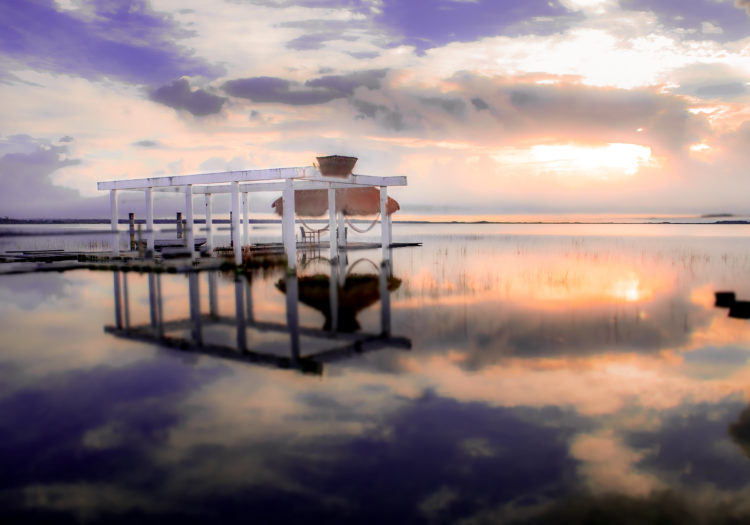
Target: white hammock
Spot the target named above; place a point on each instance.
(324, 228)
(370, 227)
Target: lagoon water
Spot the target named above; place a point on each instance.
(538, 374)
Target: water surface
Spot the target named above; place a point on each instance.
(555, 373)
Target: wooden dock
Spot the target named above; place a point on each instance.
(170, 257)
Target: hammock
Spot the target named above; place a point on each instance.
(324, 228)
(370, 227)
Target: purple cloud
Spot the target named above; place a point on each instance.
(743, 4)
(179, 95)
(316, 40)
(121, 38)
(432, 23)
(25, 177)
(315, 91)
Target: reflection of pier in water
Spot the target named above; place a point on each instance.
(345, 342)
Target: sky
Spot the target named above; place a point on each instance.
(487, 106)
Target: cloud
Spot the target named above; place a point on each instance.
(179, 95)
(427, 24)
(743, 4)
(316, 91)
(697, 19)
(25, 176)
(315, 40)
(66, 138)
(479, 104)
(126, 40)
(148, 144)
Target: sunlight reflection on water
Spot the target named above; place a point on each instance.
(555, 372)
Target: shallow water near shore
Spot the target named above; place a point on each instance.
(498, 373)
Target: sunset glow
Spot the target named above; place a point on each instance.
(522, 101)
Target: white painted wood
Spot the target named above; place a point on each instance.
(150, 218)
(114, 212)
(364, 180)
(341, 231)
(209, 222)
(334, 249)
(287, 225)
(384, 240)
(245, 219)
(190, 220)
(208, 178)
(236, 223)
(256, 187)
(114, 222)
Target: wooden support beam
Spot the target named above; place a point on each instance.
(287, 225)
(207, 178)
(236, 223)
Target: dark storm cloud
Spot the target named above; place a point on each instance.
(429, 23)
(121, 38)
(316, 91)
(179, 95)
(691, 15)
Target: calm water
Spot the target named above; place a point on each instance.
(497, 374)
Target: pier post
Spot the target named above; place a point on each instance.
(118, 300)
(287, 224)
(213, 295)
(190, 236)
(239, 314)
(332, 224)
(245, 219)
(333, 290)
(114, 222)
(341, 231)
(385, 300)
(179, 225)
(152, 306)
(150, 219)
(385, 233)
(292, 315)
(195, 308)
(209, 223)
(236, 223)
(249, 299)
(131, 230)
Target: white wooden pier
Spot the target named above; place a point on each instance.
(239, 184)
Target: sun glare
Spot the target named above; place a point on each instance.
(600, 161)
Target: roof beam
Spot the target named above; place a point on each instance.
(207, 178)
